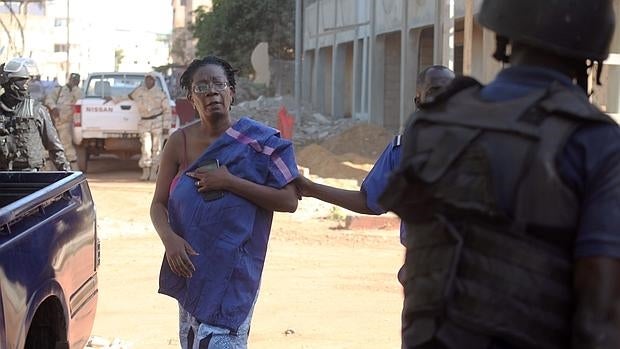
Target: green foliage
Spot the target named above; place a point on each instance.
(337, 214)
(234, 27)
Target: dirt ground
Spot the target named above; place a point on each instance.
(322, 287)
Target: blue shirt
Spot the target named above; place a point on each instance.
(231, 233)
(589, 163)
(375, 183)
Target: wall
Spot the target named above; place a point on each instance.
(368, 34)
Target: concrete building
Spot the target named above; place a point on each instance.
(21, 25)
(84, 37)
(361, 57)
(183, 44)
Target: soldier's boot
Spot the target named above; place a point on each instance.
(146, 173)
(153, 175)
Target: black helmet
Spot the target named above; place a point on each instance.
(580, 29)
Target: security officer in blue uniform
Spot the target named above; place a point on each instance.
(26, 129)
(512, 193)
(430, 83)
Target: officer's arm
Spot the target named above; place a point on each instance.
(77, 94)
(353, 200)
(597, 314)
(51, 141)
(131, 94)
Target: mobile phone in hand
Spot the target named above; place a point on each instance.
(206, 166)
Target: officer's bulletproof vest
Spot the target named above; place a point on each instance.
(490, 223)
(21, 147)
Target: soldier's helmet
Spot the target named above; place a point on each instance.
(13, 74)
(578, 29)
(21, 68)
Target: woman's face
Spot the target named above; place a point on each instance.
(211, 94)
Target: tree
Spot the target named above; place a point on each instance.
(233, 28)
(9, 7)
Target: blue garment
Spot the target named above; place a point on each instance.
(375, 183)
(589, 163)
(231, 233)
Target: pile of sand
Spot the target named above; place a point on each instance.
(321, 162)
(366, 140)
(348, 155)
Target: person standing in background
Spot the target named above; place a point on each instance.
(26, 129)
(60, 102)
(155, 119)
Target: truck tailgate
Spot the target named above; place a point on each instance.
(110, 117)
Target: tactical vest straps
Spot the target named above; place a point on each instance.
(475, 269)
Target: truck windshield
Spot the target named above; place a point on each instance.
(114, 85)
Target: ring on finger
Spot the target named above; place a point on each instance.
(197, 183)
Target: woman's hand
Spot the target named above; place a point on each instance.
(216, 179)
(177, 255)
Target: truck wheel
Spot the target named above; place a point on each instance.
(48, 329)
(82, 157)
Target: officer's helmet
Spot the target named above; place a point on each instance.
(14, 75)
(20, 68)
(578, 29)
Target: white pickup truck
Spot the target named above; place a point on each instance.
(101, 127)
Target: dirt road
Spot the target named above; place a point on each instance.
(322, 287)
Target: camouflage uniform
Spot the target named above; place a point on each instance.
(155, 116)
(26, 131)
(63, 98)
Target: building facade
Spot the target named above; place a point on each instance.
(183, 43)
(81, 36)
(361, 57)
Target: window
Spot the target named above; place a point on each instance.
(60, 22)
(60, 47)
(114, 85)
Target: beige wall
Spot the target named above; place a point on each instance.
(380, 55)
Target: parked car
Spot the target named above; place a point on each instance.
(49, 256)
(101, 127)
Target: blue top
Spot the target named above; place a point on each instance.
(231, 233)
(375, 183)
(589, 163)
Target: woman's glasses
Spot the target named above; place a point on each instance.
(204, 87)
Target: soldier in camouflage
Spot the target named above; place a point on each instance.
(26, 129)
(60, 102)
(155, 117)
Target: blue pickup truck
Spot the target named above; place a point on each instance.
(49, 255)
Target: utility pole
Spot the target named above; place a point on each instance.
(443, 45)
(438, 32)
(468, 37)
(68, 44)
(298, 49)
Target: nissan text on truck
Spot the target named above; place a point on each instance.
(104, 127)
(49, 257)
